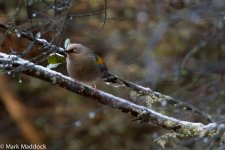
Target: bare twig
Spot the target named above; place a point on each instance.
(31, 37)
(87, 14)
(105, 16)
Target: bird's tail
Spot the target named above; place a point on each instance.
(112, 80)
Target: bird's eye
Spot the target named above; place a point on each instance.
(76, 50)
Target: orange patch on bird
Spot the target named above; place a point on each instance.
(100, 61)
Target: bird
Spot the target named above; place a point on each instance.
(84, 65)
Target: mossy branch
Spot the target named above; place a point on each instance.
(189, 129)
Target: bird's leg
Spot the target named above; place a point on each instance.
(92, 84)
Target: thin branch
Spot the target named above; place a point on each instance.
(87, 14)
(31, 37)
(26, 51)
(55, 7)
(158, 97)
(105, 16)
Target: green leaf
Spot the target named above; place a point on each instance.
(56, 58)
(50, 66)
(67, 43)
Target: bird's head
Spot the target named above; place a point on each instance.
(76, 49)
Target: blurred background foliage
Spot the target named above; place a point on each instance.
(175, 47)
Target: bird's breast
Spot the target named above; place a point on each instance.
(82, 68)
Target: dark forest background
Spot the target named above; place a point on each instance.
(175, 47)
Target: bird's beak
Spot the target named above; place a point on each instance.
(68, 51)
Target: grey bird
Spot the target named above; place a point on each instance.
(84, 65)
